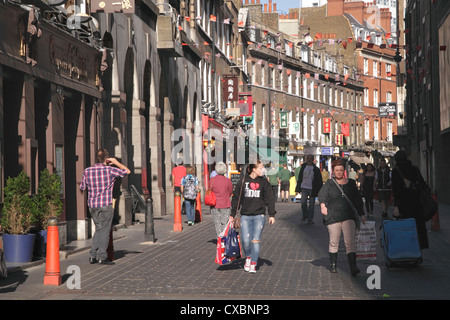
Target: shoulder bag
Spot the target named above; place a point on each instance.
(357, 218)
(428, 204)
(237, 218)
(210, 198)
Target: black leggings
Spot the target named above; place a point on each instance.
(368, 196)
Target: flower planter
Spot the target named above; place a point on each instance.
(18, 248)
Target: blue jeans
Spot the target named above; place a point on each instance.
(307, 211)
(190, 209)
(251, 229)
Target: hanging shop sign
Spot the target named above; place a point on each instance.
(387, 109)
(245, 104)
(326, 125)
(230, 88)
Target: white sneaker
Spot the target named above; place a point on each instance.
(252, 268)
(247, 264)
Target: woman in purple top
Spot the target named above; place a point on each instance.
(222, 188)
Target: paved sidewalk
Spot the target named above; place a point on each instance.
(180, 265)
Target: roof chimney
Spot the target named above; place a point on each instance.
(270, 6)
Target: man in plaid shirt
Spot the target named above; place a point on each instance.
(99, 181)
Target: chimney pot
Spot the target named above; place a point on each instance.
(274, 7)
(265, 7)
(270, 5)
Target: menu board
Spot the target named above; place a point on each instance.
(235, 177)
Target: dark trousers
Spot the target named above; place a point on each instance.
(102, 218)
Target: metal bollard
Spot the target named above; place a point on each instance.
(177, 212)
(149, 232)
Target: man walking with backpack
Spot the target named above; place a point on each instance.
(189, 189)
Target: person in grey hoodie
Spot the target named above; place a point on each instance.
(256, 196)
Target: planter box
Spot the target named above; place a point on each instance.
(18, 248)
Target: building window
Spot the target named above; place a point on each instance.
(253, 72)
(366, 129)
(366, 96)
(289, 80)
(375, 98)
(388, 71)
(388, 96)
(389, 131)
(375, 68)
(263, 76)
(366, 66)
(375, 130)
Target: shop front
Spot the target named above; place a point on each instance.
(49, 99)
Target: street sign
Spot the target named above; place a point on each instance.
(327, 151)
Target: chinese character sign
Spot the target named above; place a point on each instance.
(339, 139)
(283, 120)
(230, 88)
(326, 125)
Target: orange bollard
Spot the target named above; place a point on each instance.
(177, 213)
(435, 224)
(52, 271)
(198, 207)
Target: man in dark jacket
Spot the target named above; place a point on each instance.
(308, 184)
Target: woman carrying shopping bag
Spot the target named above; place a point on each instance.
(341, 205)
(256, 196)
(222, 188)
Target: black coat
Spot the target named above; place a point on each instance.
(407, 202)
(337, 206)
(316, 184)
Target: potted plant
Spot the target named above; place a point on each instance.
(18, 216)
(48, 204)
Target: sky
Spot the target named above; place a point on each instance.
(283, 5)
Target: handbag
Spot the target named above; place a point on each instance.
(428, 204)
(357, 218)
(237, 218)
(232, 245)
(210, 198)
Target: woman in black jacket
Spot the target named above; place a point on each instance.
(339, 217)
(256, 196)
(407, 202)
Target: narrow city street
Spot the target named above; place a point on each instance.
(180, 266)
